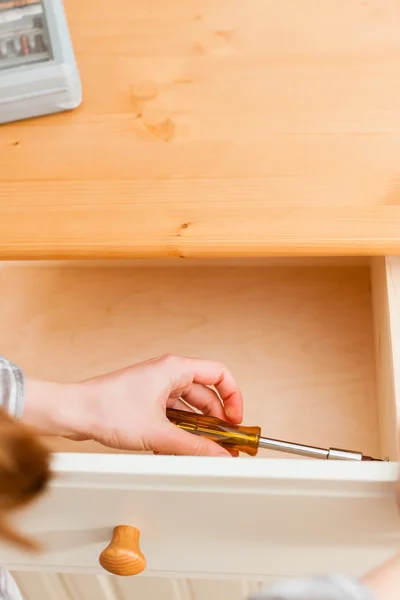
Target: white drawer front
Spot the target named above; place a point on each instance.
(207, 517)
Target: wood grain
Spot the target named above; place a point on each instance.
(299, 341)
(385, 283)
(390, 351)
(206, 129)
(123, 556)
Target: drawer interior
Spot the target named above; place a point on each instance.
(299, 338)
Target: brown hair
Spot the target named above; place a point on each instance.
(24, 475)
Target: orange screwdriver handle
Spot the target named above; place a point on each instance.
(227, 435)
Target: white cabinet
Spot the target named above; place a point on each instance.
(313, 350)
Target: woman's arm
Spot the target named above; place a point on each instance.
(127, 409)
(54, 408)
(50, 408)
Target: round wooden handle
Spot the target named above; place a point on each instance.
(123, 556)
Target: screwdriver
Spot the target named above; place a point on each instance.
(248, 439)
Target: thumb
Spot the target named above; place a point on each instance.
(174, 440)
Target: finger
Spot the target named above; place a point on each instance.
(233, 453)
(184, 371)
(205, 399)
(231, 396)
(179, 404)
(173, 440)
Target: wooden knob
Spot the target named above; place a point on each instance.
(122, 555)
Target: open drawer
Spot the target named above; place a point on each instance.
(312, 345)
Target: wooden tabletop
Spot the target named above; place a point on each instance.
(214, 128)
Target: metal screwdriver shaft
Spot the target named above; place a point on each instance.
(313, 451)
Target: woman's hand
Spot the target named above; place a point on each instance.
(126, 409)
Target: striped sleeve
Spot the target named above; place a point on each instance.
(12, 388)
(8, 587)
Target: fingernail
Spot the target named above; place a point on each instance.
(226, 454)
